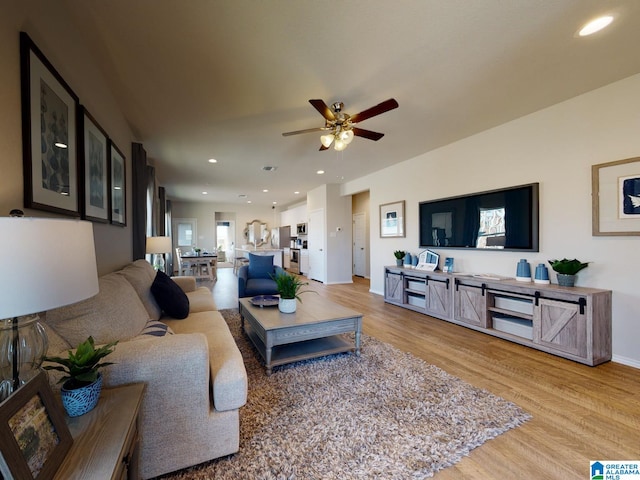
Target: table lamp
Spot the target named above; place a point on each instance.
(158, 246)
(47, 263)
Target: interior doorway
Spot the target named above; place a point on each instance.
(226, 239)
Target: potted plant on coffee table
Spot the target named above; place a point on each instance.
(289, 290)
(82, 381)
(566, 270)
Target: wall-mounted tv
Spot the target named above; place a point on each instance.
(505, 219)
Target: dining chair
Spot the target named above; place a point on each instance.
(184, 268)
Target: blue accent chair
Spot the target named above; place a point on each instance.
(256, 278)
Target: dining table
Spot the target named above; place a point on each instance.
(203, 265)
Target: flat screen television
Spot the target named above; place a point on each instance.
(504, 219)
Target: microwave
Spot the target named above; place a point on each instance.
(302, 229)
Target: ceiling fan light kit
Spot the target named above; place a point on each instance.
(340, 124)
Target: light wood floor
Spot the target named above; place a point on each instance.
(580, 413)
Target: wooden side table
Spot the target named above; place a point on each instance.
(105, 440)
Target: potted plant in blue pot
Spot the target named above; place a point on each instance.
(82, 381)
(399, 254)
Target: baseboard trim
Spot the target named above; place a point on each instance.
(630, 362)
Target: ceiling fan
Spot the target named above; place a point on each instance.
(339, 124)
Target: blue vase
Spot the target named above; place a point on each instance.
(523, 271)
(407, 259)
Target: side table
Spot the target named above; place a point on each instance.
(105, 440)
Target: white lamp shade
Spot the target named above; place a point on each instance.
(158, 244)
(346, 136)
(340, 145)
(47, 263)
(326, 140)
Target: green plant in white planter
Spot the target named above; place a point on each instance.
(399, 254)
(289, 290)
(82, 381)
(567, 270)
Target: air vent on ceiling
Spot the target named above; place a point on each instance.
(268, 168)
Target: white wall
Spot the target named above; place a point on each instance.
(48, 25)
(205, 213)
(556, 147)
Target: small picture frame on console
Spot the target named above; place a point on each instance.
(428, 261)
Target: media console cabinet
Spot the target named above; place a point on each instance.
(571, 322)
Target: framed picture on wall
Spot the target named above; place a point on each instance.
(34, 437)
(392, 220)
(117, 186)
(49, 134)
(616, 197)
(94, 170)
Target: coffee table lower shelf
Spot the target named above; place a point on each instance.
(295, 352)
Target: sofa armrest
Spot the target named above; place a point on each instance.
(187, 284)
(243, 274)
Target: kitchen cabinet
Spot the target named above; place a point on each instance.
(304, 261)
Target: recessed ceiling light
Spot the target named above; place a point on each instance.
(275, 203)
(296, 193)
(213, 160)
(320, 172)
(205, 193)
(248, 201)
(265, 190)
(595, 25)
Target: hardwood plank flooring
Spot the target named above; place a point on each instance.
(580, 413)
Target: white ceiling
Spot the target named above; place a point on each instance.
(202, 79)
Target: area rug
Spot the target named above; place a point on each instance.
(386, 414)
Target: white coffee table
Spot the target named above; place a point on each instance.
(317, 328)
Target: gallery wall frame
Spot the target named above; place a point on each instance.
(34, 437)
(117, 186)
(49, 134)
(392, 221)
(95, 173)
(615, 192)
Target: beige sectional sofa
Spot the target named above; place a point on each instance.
(194, 374)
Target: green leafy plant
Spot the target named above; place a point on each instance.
(81, 368)
(399, 254)
(567, 267)
(289, 286)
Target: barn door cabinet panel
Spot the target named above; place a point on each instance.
(470, 303)
(571, 322)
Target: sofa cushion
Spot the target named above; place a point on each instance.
(260, 266)
(170, 296)
(115, 313)
(140, 274)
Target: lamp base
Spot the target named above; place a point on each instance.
(158, 262)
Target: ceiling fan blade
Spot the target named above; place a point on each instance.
(306, 130)
(321, 107)
(373, 111)
(375, 136)
(322, 147)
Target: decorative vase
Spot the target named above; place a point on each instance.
(398, 262)
(287, 305)
(79, 401)
(407, 260)
(414, 261)
(523, 271)
(565, 280)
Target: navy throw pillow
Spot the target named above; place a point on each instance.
(170, 297)
(260, 266)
